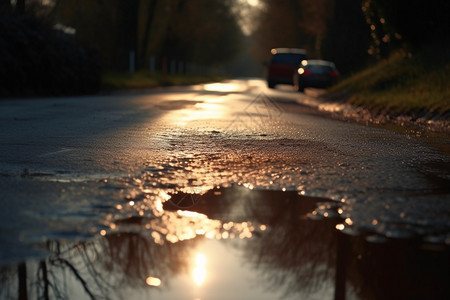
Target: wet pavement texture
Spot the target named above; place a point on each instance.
(220, 191)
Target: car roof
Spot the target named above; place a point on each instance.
(320, 62)
(287, 50)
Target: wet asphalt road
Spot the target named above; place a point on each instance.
(72, 168)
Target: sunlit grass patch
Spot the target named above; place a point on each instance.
(401, 84)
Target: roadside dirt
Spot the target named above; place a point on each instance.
(423, 121)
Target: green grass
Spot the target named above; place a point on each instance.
(141, 80)
(401, 84)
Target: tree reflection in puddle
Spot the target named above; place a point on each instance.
(234, 243)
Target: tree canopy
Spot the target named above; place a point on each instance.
(349, 32)
(198, 31)
(208, 32)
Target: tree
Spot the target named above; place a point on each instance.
(328, 29)
(315, 18)
(293, 24)
(100, 26)
(127, 31)
(347, 37)
(144, 45)
(20, 6)
(5, 6)
(200, 31)
(203, 31)
(277, 26)
(401, 23)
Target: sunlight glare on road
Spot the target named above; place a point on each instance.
(210, 108)
(225, 87)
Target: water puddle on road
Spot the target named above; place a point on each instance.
(231, 243)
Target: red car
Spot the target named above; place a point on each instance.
(283, 64)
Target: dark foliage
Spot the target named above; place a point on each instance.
(37, 60)
(408, 25)
(347, 38)
(419, 23)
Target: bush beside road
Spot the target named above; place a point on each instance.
(37, 60)
(403, 88)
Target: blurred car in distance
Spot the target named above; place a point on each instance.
(283, 64)
(315, 73)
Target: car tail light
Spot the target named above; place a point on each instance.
(334, 74)
(304, 72)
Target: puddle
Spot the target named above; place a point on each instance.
(232, 243)
(242, 218)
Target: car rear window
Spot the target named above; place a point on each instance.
(288, 58)
(320, 68)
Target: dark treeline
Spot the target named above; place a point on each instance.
(41, 41)
(326, 29)
(407, 24)
(180, 34)
(201, 32)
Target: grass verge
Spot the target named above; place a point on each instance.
(141, 80)
(403, 84)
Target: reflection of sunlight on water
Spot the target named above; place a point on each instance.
(144, 207)
(192, 214)
(153, 281)
(340, 226)
(199, 272)
(175, 226)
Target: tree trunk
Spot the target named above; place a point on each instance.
(148, 25)
(128, 27)
(5, 6)
(46, 282)
(20, 6)
(22, 272)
